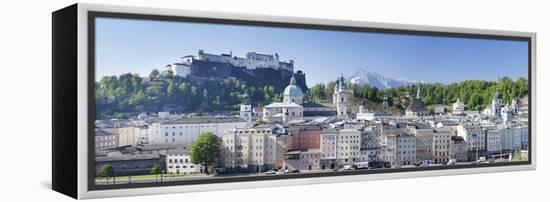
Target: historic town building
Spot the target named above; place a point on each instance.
(178, 161)
(458, 150)
(458, 107)
(106, 138)
(250, 148)
(416, 106)
(441, 147)
(494, 109)
(133, 135)
(185, 130)
(475, 136)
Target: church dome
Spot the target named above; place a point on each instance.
(293, 89)
(458, 102)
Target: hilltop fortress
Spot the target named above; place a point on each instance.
(253, 66)
(191, 65)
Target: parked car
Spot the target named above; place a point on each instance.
(451, 162)
(346, 167)
(271, 172)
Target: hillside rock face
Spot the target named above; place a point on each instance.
(278, 78)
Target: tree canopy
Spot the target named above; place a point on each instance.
(205, 150)
(129, 94)
(106, 171)
(476, 94)
(156, 169)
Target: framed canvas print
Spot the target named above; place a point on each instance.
(149, 101)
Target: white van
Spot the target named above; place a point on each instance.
(362, 165)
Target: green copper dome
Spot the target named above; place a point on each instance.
(293, 89)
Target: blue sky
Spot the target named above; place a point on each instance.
(138, 46)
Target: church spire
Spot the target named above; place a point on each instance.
(418, 95)
(341, 83)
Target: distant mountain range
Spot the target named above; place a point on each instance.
(374, 79)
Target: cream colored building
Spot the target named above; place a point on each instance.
(424, 134)
(475, 137)
(441, 149)
(400, 149)
(348, 146)
(340, 147)
(329, 140)
(251, 148)
(133, 135)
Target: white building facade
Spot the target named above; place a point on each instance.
(185, 131)
(475, 137)
(178, 161)
(458, 107)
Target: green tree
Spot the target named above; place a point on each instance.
(205, 150)
(373, 94)
(154, 74)
(260, 121)
(184, 87)
(155, 170)
(516, 156)
(431, 109)
(167, 74)
(171, 89)
(106, 171)
(318, 93)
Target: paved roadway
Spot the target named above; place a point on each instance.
(183, 178)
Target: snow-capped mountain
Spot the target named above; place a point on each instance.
(374, 79)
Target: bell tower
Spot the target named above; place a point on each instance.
(341, 99)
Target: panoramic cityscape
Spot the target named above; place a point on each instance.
(210, 114)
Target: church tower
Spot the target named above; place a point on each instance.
(335, 94)
(385, 104)
(246, 110)
(506, 114)
(418, 95)
(341, 99)
(496, 104)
